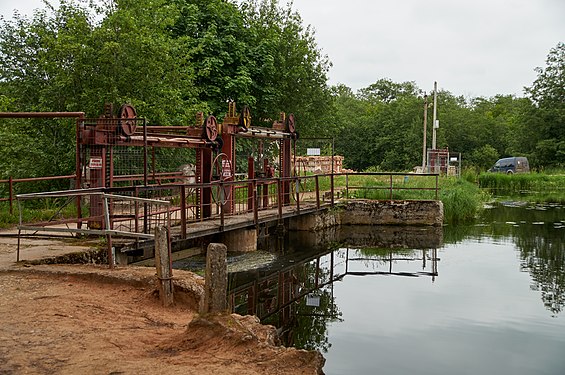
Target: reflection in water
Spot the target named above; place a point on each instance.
(539, 234)
(296, 295)
(540, 239)
(367, 296)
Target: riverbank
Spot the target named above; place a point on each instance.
(88, 319)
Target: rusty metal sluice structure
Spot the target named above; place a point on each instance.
(132, 177)
(119, 153)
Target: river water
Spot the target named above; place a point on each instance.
(486, 298)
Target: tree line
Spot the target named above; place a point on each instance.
(173, 58)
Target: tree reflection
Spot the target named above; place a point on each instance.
(538, 232)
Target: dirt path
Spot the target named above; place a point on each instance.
(71, 319)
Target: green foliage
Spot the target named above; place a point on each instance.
(379, 127)
(544, 123)
(470, 175)
(172, 58)
(169, 58)
(462, 200)
(504, 184)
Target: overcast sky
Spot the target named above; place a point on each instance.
(470, 47)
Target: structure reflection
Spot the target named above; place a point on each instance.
(296, 293)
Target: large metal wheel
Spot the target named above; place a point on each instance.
(210, 128)
(290, 123)
(127, 120)
(298, 186)
(222, 171)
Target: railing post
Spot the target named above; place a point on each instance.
(390, 187)
(297, 191)
(255, 203)
(11, 194)
(183, 211)
(317, 193)
(437, 184)
(136, 206)
(332, 189)
(280, 198)
(347, 185)
(107, 226)
(222, 204)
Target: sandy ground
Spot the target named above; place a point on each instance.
(86, 319)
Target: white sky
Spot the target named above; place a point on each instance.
(471, 47)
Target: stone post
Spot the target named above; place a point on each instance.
(216, 283)
(163, 265)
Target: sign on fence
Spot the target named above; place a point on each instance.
(313, 151)
(95, 163)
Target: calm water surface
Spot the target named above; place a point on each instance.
(496, 306)
(488, 299)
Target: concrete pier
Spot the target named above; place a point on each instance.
(216, 282)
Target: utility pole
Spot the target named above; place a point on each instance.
(436, 122)
(425, 132)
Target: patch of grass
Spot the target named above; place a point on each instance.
(462, 200)
(500, 183)
(34, 214)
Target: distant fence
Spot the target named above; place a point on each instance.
(185, 202)
(11, 182)
(118, 215)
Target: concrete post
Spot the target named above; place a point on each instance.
(216, 283)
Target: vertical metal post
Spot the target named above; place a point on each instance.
(265, 185)
(18, 250)
(425, 132)
(11, 193)
(78, 169)
(347, 185)
(19, 231)
(255, 204)
(435, 124)
(145, 177)
(390, 187)
(183, 211)
(251, 185)
(280, 197)
(332, 189)
(333, 154)
(108, 236)
(317, 272)
(317, 193)
(297, 191)
(437, 183)
(222, 205)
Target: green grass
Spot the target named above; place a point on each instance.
(34, 213)
(462, 200)
(535, 186)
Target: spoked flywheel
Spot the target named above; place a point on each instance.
(222, 171)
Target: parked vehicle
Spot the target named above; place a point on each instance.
(515, 164)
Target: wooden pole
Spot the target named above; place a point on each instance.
(163, 265)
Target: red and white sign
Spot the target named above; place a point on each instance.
(95, 163)
(226, 168)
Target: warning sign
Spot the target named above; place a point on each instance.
(226, 168)
(95, 163)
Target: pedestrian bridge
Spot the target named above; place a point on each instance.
(128, 216)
